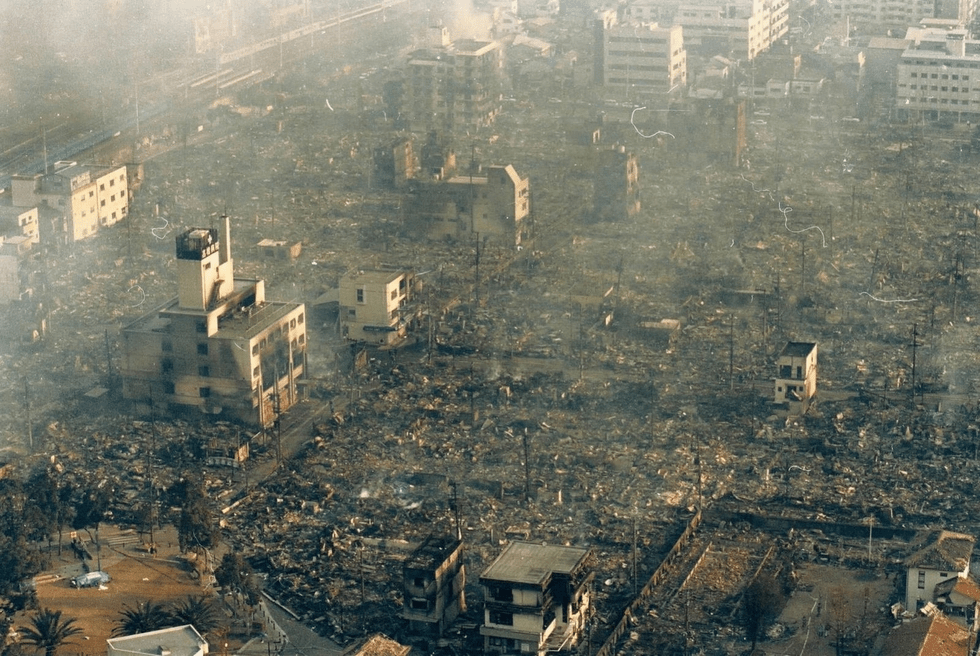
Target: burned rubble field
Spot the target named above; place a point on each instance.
(618, 428)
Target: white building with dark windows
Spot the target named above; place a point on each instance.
(939, 75)
(536, 599)
(643, 59)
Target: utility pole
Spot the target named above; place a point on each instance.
(476, 284)
(915, 347)
(454, 506)
(803, 266)
(30, 422)
(527, 469)
(635, 573)
(108, 359)
(277, 424)
(731, 352)
(874, 270)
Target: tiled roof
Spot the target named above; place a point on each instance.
(934, 635)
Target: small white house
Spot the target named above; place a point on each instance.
(945, 555)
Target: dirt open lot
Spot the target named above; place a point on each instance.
(135, 578)
(810, 619)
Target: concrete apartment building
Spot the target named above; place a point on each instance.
(493, 205)
(434, 582)
(740, 30)
(796, 383)
(374, 306)
(887, 17)
(455, 85)
(536, 599)
(220, 347)
(85, 199)
(939, 75)
(641, 59)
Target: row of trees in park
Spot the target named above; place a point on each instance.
(43, 508)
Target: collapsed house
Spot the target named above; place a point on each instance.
(218, 348)
(537, 599)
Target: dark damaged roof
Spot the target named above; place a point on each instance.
(944, 551)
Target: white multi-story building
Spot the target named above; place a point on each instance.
(643, 59)
(884, 16)
(939, 75)
(741, 29)
(536, 599)
(86, 198)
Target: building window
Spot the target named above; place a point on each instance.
(166, 346)
(292, 324)
(112, 183)
(204, 392)
(255, 372)
(498, 617)
(200, 326)
(351, 313)
(301, 318)
(420, 604)
(302, 339)
(102, 187)
(255, 349)
(102, 203)
(502, 593)
(204, 371)
(168, 387)
(922, 580)
(202, 349)
(166, 366)
(360, 295)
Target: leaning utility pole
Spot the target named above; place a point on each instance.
(915, 346)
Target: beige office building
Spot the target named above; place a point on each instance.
(220, 347)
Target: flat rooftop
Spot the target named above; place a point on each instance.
(524, 562)
(177, 641)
